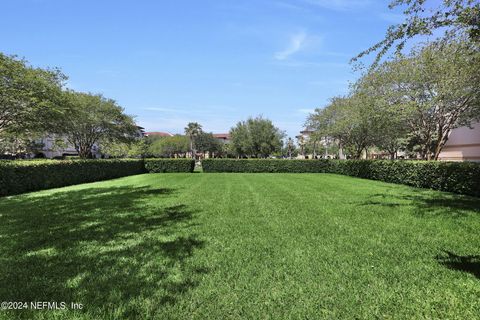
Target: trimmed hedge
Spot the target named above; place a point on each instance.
(19, 176)
(23, 175)
(265, 165)
(457, 177)
(169, 165)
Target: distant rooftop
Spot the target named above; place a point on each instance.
(159, 134)
(306, 131)
(222, 135)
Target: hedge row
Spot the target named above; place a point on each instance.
(458, 177)
(264, 165)
(169, 165)
(21, 176)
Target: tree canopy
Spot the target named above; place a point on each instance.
(192, 130)
(169, 146)
(256, 137)
(30, 98)
(434, 89)
(412, 101)
(206, 142)
(454, 17)
(92, 118)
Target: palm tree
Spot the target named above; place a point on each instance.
(301, 143)
(290, 147)
(192, 130)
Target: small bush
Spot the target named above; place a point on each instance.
(169, 165)
(458, 177)
(21, 176)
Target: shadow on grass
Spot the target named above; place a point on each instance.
(470, 264)
(116, 248)
(426, 203)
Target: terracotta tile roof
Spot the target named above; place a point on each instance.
(222, 135)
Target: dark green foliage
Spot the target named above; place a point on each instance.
(256, 137)
(458, 177)
(206, 142)
(264, 165)
(23, 176)
(169, 165)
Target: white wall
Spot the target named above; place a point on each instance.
(463, 145)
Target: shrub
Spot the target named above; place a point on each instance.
(458, 177)
(169, 165)
(264, 165)
(22, 175)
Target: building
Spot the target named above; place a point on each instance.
(463, 144)
(54, 146)
(222, 137)
(58, 147)
(158, 134)
(322, 147)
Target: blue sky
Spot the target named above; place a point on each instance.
(214, 62)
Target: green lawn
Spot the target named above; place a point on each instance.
(254, 246)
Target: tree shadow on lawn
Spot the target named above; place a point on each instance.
(427, 204)
(470, 264)
(107, 248)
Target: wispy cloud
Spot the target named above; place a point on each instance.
(311, 64)
(329, 83)
(296, 43)
(339, 4)
(290, 6)
(191, 110)
(176, 123)
(167, 110)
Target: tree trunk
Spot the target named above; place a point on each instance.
(441, 142)
(340, 152)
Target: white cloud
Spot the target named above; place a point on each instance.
(290, 6)
(169, 110)
(327, 83)
(175, 124)
(297, 42)
(306, 111)
(192, 110)
(310, 64)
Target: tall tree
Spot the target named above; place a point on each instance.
(290, 147)
(170, 146)
(390, 121)
(192, 130)
(29, 97)
(301, 143)
(206, 142)
(256, 137)
(350, 120)
(19, 145)
(436, 88)
(91, 119)
(136, 148)
(454, 17)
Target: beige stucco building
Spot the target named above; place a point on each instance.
(463, 145)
